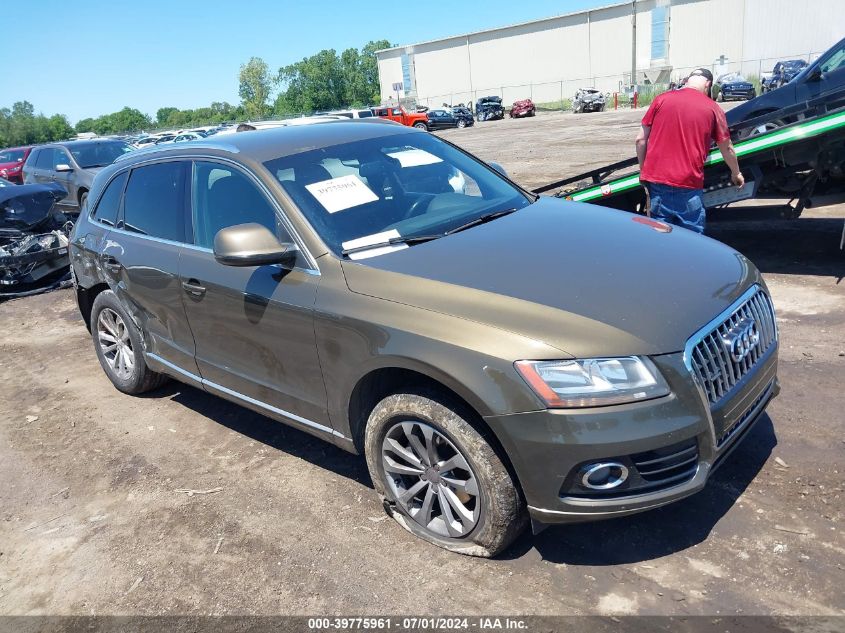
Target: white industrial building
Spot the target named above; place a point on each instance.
(549, 59)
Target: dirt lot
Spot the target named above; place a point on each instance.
(91, 520)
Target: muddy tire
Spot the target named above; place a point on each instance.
(438, 476)
(119, 347)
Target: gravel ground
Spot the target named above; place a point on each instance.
(92, 520)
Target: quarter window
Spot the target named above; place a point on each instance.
(109, 204)
(221, 197)
(154, 201)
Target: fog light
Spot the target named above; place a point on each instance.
(604, 475)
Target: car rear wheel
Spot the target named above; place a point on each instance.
(461, 123)
(119, 347)
(439, 478)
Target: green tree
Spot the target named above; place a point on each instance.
(327, 81)
(58, 127)
(84, 125)
(163, 114)
(369, 69)
(255, 85)
(129, 120)
(313, 84)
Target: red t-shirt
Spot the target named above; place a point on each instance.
(684, 124)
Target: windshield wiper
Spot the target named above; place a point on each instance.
(411, 239)
(480, 220)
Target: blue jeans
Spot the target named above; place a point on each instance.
(676, 205)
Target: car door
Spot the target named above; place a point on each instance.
(253, 326)
(42, 171)
(141, 259)
(66, 178)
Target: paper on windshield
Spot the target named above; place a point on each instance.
(375, 238)
(337, 194)
(415, 158)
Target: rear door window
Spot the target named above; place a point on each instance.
(154, 202)
(109, 204)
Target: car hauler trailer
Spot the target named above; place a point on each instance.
(793, 162)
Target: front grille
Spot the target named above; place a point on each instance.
(745, 417)
(711, 360)
(668, 466)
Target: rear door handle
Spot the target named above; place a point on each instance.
(111, 264)
(193, 287)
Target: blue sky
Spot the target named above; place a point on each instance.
(92, 57)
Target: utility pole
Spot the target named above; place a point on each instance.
(634, 44)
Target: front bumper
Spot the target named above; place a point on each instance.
(549, 448)
(739, 94)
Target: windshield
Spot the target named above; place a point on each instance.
(11, 156)
(794, 64)
(403, 186)
(98, 154)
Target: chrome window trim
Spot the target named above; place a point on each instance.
(699, 335)
(312, 269)
(235, 394)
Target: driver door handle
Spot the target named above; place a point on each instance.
(193, 287)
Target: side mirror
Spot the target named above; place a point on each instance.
(815, 74)
(63, 167)
(252, 245)
(499, 169)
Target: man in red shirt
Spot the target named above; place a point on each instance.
(676, 135)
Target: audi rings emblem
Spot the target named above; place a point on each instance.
(741, 339)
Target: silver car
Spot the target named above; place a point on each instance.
(72, 165)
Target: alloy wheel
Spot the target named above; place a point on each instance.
(430, 479)
(115, 344)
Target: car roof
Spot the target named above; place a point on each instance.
(267, 144)
(86, 141)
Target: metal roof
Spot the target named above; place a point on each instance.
(504, 28)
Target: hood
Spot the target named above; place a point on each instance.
(587, 280)
(25, 207)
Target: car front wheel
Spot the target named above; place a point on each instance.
(439, 477)
(421, 126)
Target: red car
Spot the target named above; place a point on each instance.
(401, 115)
(11, 162)
(522, 108)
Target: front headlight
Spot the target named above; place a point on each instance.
(593, 382)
